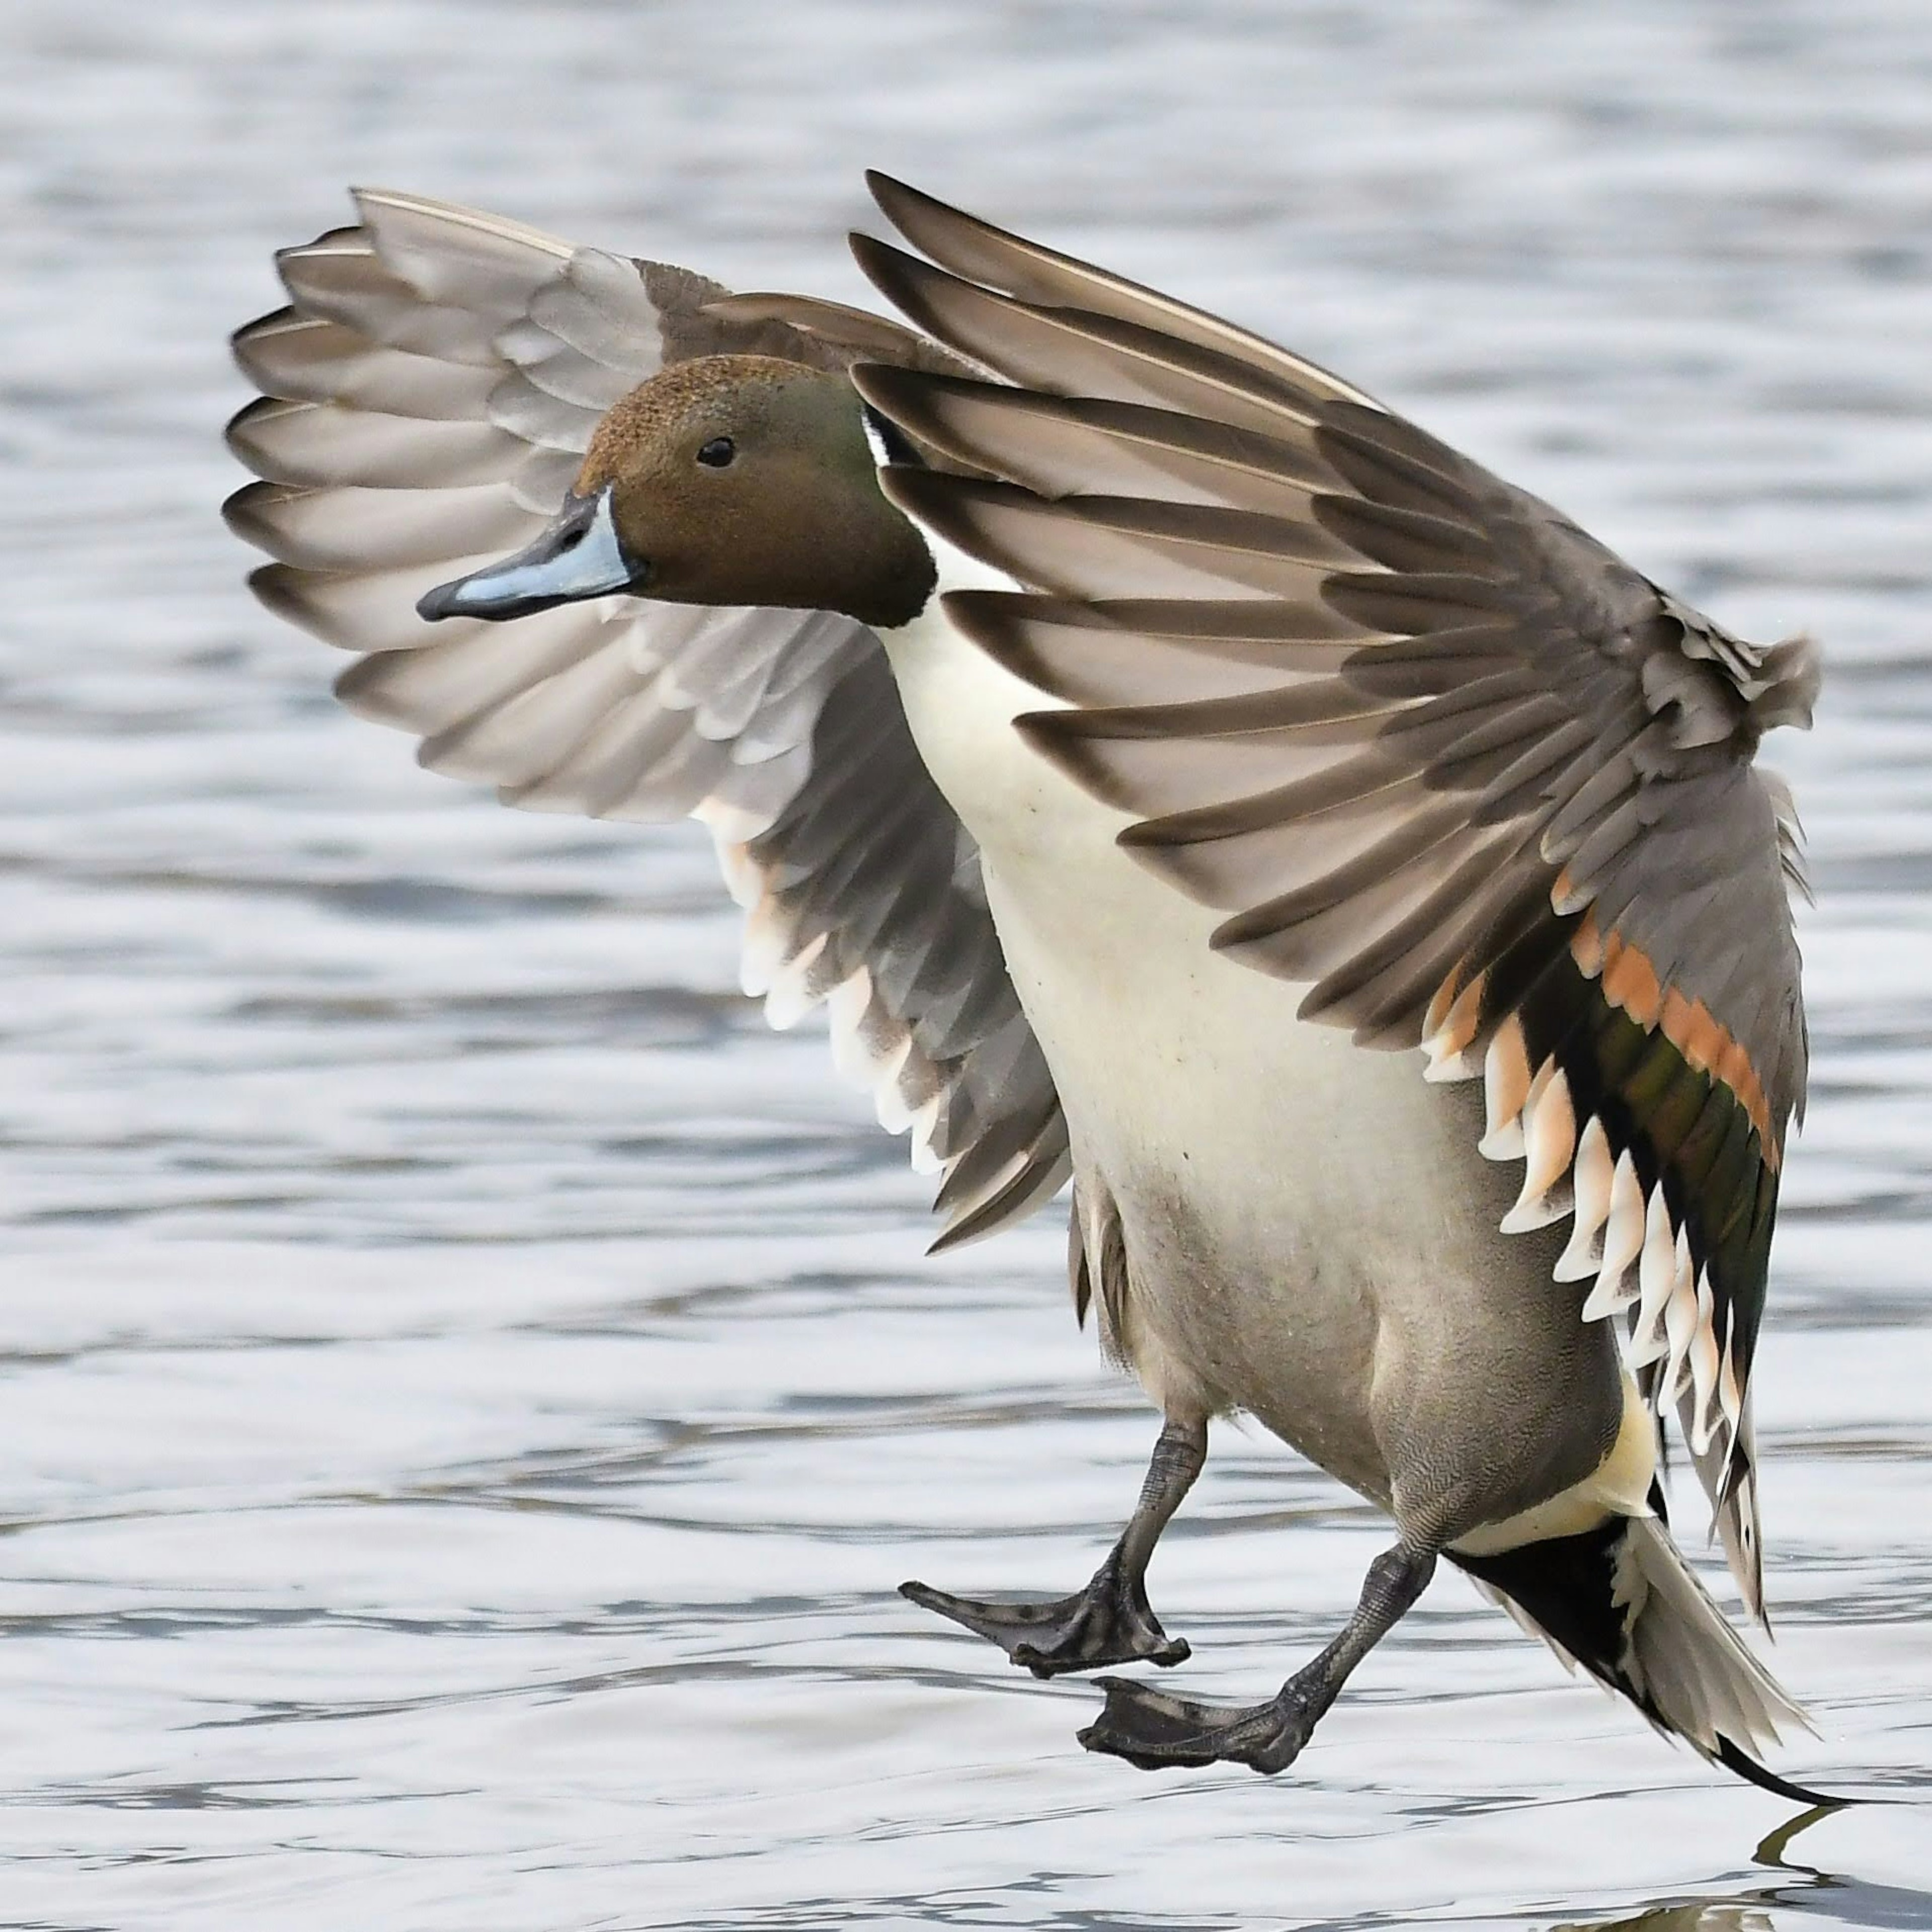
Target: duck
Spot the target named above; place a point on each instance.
(1174, 772)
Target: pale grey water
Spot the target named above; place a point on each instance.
(470, 1392)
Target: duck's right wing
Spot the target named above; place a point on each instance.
(1447, 764)
(427, 395)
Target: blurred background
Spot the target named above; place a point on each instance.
(470, 1392)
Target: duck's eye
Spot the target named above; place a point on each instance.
(718, 452)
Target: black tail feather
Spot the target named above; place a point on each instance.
(1566, 1584)
(1620, 1600)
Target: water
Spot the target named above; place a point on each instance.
(470, 1392)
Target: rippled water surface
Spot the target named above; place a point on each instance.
(470, 1393)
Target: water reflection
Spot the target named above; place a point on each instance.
(1811, 1892)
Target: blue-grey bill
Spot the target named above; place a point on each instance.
(577, 555)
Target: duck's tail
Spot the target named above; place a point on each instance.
(1620, 1600)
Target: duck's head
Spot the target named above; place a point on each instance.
(727, 479)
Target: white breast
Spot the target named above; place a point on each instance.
(1174, 1064)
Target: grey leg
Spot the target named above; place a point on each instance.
(1110, 1620)
(1149, 1729)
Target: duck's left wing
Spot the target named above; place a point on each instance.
(427, 395)
(1439, 755)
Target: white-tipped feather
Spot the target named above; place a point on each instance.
(1591, 1176)
(882, 1071)
(920, 1127)
(846, 1006)
(742, 879)
(1738, 1526)
(871, 1051)
(1505, 1086)
(1730, 1397)
(1549, 1140)
(761, 949)
(1656, 1275)
(1623, 1242)
(1435, 1017)
(1456, 1021)
(788, 991)
(1704, 1422)
(1680, 1327)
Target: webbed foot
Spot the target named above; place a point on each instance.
(1152, 1730)
(1108, 1622)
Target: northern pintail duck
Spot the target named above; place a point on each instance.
(1261, 741)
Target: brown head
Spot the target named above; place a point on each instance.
(727, 479)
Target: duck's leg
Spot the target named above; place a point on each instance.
(1149, 1729)
(1110, 1620)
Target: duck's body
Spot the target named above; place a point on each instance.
(1235, 1143)
(1275, 714)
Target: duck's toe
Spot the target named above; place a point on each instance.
(1152, 1730)
(1109, 1621)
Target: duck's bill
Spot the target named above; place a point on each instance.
(577, 555)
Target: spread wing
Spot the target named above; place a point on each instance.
(1435, 752)
(427, 395)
